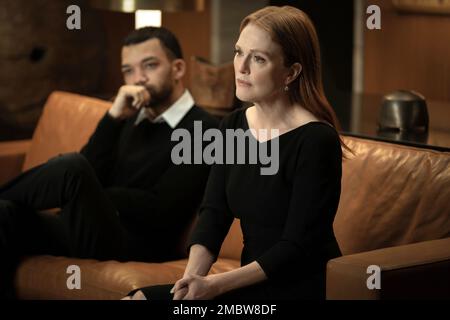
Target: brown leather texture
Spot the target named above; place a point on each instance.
(45, 277)
(12, 156)
(392, 195)
(415, 271)
(233, 244)
(66, 123)
(212, 86)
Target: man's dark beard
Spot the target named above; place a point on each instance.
(160, 97)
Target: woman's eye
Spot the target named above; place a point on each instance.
(237, 52)
(259, 59)
(126, 72)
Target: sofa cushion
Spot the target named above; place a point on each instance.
(45, 277)
(392, 195)
(67, 122)
(413, 271)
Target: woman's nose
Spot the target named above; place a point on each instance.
(243, 66)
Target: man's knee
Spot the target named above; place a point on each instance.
(7, 211)
(7, 206)
(75, 163)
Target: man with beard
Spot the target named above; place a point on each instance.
(121, 197)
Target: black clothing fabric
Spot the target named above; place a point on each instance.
(155, 198)
(121, 197)
(87, 225)
(286, 218)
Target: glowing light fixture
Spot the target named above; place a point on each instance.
(144, 18)
(163, 5)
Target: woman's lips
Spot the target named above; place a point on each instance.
(243, 83)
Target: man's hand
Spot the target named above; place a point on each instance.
(128, 101)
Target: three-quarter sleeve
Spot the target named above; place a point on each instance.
(314, 200)
(215, 217)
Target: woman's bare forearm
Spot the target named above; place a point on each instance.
(238, 278)
(200, 261)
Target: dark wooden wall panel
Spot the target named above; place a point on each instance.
(411, 51)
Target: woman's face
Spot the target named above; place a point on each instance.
(258, 65)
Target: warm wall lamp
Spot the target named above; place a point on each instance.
(148, 12)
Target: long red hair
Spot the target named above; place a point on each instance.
(293, 30)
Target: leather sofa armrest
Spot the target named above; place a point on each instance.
(12, 156)
(414, 271)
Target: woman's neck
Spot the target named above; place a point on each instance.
(280, 114)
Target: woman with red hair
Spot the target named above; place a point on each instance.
(286, 218)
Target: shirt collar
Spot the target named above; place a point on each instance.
(173, 114)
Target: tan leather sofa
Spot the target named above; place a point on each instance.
(394, 213)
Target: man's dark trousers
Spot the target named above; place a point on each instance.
(88, 225)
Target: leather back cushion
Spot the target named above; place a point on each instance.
(391, 195)
(67, 122)
(212, 86)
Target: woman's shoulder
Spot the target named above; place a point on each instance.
(320, 138)
(319, 130)
(235, 119)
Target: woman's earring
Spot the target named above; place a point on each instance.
(286, 88)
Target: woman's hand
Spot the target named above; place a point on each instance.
(194, 287)
(180, 293)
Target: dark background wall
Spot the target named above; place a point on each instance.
(334, 24)
(412, 51)
(193, 30)
(38, 54)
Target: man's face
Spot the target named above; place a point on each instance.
(147, 64)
